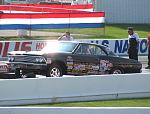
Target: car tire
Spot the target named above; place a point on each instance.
(55, 71)
(17, 73)
(117, 71)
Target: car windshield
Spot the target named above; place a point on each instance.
(59, 47)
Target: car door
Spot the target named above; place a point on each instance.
(105, 62)
(85, 62)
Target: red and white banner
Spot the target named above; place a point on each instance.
(52, 20)
(55, 17)
(82, 7)
(39, 8)
(33, 9)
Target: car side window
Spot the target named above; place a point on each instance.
(89, 49)
(84, 49)
(99, 51)
(79, 50)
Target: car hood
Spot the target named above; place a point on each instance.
(25, 53)
(31, 53)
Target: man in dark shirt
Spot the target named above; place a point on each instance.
(133, 44)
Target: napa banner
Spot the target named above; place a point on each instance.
(119, 47)
(13, 21)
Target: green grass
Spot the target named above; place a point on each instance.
(114, 31)
(145, 102)
(111, 31)
(120, 31)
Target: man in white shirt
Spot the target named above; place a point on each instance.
(66, 37)
(133, 44)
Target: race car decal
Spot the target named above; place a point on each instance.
(69, 61)
(105, 65)
(80, 67)
(85, 68)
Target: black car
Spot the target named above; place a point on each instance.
(76, 58)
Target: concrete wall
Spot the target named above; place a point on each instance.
(125, 11)
(84, 88)
(70, 110)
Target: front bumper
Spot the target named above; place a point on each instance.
(4, 68)
(27, 66)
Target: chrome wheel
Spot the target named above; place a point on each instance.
(55, 72)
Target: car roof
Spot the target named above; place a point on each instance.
(79, 42)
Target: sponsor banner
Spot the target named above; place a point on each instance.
(52, 20)
(117, 46)
(120, 47)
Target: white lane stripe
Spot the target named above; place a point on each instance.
(53, 20)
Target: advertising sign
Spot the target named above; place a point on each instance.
(119, 47)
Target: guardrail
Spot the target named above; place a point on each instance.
(84, 88)
(58, 110)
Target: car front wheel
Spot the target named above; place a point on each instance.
(55, 71)
(17, 73)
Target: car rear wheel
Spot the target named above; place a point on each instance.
(116, 71)
(55, 71)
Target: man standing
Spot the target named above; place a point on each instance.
(148, 45)
(66, 37)
(133, 44)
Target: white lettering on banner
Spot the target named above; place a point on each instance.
(118, 46)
